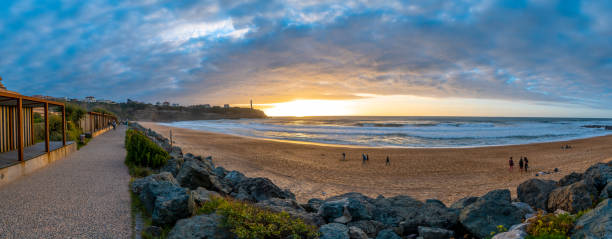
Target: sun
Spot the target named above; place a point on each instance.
(301, 108)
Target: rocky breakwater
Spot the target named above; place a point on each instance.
(188, 182)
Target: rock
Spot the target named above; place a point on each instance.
(195, 173)
(606, 192)
(357, 233)
(220, 172)
(153, 231)
(595, 224)
(201, 196)
(435, 233)
(330, 210)
(535, 192)
(334, 231)
(518, 231)
(493, 209)
(139, 184)
(358, 205)
(259, 189)
(570, 179)
(387, 234)
(313, 205)
(572, 198)
(524, 208)
(293, 208)
(370, 227)
(345, 218)
(464, 202)
(391, 211)
(203, 226)
(173, 166)
(171, 206)
(598, 175)
(233, 178)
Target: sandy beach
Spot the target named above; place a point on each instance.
(317, 171)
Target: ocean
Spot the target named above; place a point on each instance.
(413, 132)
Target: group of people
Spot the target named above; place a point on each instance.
(366, 158)
(523, 163)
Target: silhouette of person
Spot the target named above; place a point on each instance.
(388, 161)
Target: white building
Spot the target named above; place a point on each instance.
(90, 99)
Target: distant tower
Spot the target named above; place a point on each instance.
(251, 104)
(1, 85)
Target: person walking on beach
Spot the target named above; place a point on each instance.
(521, 164)
(526, 164)
(367, 158)
(511, 163)
(343, 156)
(364, 159)
(388, 162)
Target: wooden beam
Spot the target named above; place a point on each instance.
(64, 125)
(20, 128)
(32, 140)
(47, 149)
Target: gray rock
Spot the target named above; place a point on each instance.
(433, 214)
(233, 178)
(330, 210)
(606, 192)
(196, 173)
(171, 206)
(524, 208)
(370, 227)
(595, 224)
(493, 209)
(259, 189)
(313, 205)
(291, 206)
(464, 202)
(572, 198)
(598, 175)
(570, 179)
(173, 166)
(435, 233)
(387, 234)
(220, 172)
(535, 192)
(153, 231)
(359, 206)
(201, 196)
(357, 233)
(198, 227)
(515, 232)
(139, 184)
(391, 211)
(334, 231)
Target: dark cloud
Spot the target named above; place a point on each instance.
(231, 51)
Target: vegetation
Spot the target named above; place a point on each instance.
(250, 222)
(143, 152)
(74, 114)
(500, 229)
(552, 226)
(103, 111)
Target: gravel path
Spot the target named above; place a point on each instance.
(83, 196)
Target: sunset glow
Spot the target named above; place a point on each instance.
(302, 108)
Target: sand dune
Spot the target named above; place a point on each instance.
(317, 171)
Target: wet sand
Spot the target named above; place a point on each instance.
(317, 171)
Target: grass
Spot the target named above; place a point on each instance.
(552, 226)
(247, 221)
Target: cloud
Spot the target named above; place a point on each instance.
(232, 51)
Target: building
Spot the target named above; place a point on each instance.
(175, 105)
(166, 103)
(90, 99)
(226, 106)
(158, 103)
(206, 106)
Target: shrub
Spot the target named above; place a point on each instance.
(141, 151)
(551, 226)
(249, 222)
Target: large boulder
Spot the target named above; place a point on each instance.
(606, 192)
(435, 233)
(201, 196)
(334, 231)
(173, 166)
(493, 209)
(573, 198)
(347, 207)
(173, 204)
(464, 202)
(313, 205)
(598, 175)
(570, 179)
(595, 224)
(370, 227)
(518, 231)
(391, 211)
(357, 233)
(196, 173)
(387, 234)
(330, 210)
(139, 184)
(233, 178)
(198, 227)
(259, 189)
(293, 209)
(524, 208)
(535, 192)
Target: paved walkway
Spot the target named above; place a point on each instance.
(82, 196)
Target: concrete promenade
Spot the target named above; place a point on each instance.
(82, 196)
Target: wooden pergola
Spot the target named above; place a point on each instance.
(96, 121)
(13, 122)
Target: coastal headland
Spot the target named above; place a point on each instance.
(448, 174)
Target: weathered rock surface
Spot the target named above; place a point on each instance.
(535, 192)
(515, 232)
(201, 196)
(598, 175)
(334, 231)
(293, 208)
(138, 184)
(259, 189)
(606, 192)
(596, 223)
(173, 166)
(163, 199)
(387, 234)
(464, 202)
(435, 233)
(313, 205)
(196, 173)
(357, 233)
(572, 198)
(493, 209)
(570, 179)
(370, 227)
(524, 208)
(198, 227)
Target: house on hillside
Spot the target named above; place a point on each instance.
(166, 103)
(90, 99)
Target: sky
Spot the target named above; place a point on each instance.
(349, 57)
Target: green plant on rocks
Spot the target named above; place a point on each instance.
(250, 222)
(552, 226)
(141, 151)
